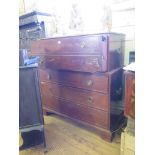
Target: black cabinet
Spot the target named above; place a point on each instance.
(33, 26)
(30, 107)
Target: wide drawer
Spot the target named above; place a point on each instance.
(83, 113)
(73, 44)
(81, 63)
(83, 97)
(96, 82)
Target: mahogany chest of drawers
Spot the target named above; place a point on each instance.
(81, 78)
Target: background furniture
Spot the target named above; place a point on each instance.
(30, 108)
(81, 78)
(33, 26)
(129, 100)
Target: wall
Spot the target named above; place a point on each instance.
(123, 20)
(21, 7)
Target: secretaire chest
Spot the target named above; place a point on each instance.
(81, 78)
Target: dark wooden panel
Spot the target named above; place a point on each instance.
(80, 112)
(114, 60)
(96, 82)
(129, 94)
(47, 97)
(30, 107)
(88, 98)
(116, 84)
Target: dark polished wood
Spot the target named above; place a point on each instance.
(87, 63)
(84, 97)
(77, 103)
(85, 53)
(96, 82)
(30, 108)
(81, 76)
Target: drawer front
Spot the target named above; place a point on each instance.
(73, 44)
(83, 97)
(95, 82)
(76, 53)
(90, 63)
(83, 113)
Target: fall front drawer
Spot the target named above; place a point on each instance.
(96, 82)
(84, 53)
(84, 113)
(72, 44)
(83, 97)
(129, 98)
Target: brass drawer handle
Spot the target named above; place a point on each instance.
(90, 99)
(89, 82)
(48, 76)
(83, 45)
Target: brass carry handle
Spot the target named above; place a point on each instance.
(90, 99)
(48, 76)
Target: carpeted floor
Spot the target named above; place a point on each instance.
(65, 137)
